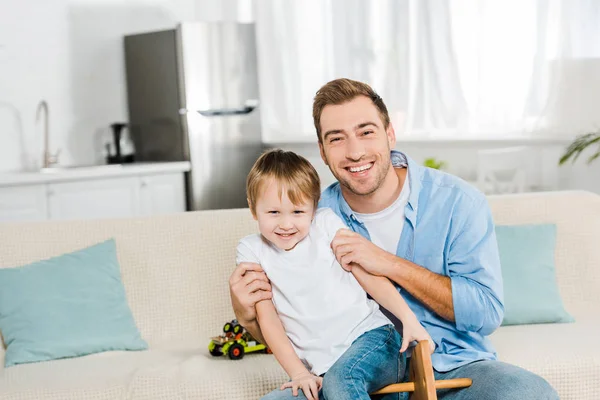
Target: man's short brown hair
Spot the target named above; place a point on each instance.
(291, 171)
(340, 91)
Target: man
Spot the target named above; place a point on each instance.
(428, 232)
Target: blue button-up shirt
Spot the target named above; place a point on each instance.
(449, 230)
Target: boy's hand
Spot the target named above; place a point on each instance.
(413, 330)
(309, 383)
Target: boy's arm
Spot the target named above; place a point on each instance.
(277, 340)
(383, 291)
(254, 330)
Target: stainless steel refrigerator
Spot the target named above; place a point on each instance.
(193, 96)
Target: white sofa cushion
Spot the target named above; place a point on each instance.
(184, 373)
(566, 355)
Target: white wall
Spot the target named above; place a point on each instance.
(69, 52)
(543, 171)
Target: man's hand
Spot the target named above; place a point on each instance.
(351, 248)
(248, 285)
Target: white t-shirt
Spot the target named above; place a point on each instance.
(322, 307)
(385, 226)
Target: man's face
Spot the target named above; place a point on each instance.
(355, 145)
(280, 221)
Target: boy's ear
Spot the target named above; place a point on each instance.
(251, 208)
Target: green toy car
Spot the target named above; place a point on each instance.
(235, 342)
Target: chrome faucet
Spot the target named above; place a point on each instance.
(48, 158)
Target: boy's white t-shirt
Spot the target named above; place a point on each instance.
(322, 307)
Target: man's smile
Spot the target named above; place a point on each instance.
(359, 170)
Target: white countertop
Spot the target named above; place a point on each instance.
(77, 173)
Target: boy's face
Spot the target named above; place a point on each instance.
(280, 221)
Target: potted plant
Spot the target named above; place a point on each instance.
(581, 143)
(433, 163)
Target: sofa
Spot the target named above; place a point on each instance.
(175, 271)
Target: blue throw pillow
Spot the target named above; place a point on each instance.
(67, 306)
(531, 293)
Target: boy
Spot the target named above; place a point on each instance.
(315, 302)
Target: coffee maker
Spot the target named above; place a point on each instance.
(120, 149)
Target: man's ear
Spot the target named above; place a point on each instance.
(251, 209)
(322, 151)
(391, 135)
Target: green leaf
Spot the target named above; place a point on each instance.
(579, 145)
(592, 158)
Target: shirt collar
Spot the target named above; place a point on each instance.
(399, 160)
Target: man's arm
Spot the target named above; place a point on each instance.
(475, 273)
(471, 296)
(431, 289)
(248, 285)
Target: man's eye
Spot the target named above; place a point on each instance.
(336, 139)
(367, 132)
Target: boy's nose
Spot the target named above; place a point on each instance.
(286, 225)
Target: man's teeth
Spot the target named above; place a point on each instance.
(361, 168)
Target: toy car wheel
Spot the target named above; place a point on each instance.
(227, 327)
(237, 328)
(236, 351)
(216, 352)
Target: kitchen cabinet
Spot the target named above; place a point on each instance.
(162, 194)
(98, 198)
(23, 203)
(115, 196)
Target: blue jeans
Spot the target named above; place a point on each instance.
(372, 362)
(492, 380)
(495, 380)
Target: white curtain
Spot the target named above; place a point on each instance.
(445, 68)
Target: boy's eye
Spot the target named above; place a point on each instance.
(298, 212)
(273, 212)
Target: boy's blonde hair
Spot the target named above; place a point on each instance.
(291, 171)
(343, 90)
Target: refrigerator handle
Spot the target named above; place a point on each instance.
(247, 108)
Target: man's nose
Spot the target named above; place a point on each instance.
(355, 149)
